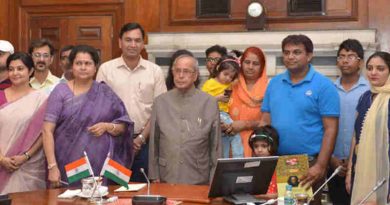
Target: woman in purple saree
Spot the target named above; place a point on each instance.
(22, 163)
(83, 115)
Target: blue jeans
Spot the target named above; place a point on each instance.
(233, 141)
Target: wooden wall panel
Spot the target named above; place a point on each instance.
(28, 9)
(179, 15)
(67, 2)
(4, 13)
(145, 12)
(276, 8)
(379, 18)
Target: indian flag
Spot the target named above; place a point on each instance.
(116, 172)
(77, 170)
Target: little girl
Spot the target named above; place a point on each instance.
(264, 142)
(222, 77)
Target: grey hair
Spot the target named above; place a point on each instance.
(196, 63)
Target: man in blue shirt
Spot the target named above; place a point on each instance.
(350, 86)
(304, 107)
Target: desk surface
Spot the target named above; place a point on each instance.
(188, 194)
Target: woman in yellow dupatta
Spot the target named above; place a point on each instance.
(247, 96)
(371, 142)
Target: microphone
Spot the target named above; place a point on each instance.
(378, 185)
(336, 171)
(147, 179)
(148, 199)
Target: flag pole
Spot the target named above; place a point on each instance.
(94, 181)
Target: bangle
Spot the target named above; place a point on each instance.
(27, 155)
(51, 166)
(113, 127)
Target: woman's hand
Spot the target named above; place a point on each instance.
(237, 126)
(234, 128)
(99, 128)
(19, 159)
(9, 164)
(224, 127)
(348, 181)
(54, 177)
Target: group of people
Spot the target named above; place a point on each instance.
(176, 131)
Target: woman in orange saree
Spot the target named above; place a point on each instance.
(247, 96)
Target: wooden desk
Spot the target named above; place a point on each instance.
(188, 194)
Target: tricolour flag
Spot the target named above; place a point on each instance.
(77, 170)
(116, 172)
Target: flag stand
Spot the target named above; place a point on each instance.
(96, 184)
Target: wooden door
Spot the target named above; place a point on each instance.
(95, 31)
(53, 29)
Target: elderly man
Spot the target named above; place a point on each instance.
(6, 49)
(42, 52)
(185, 139)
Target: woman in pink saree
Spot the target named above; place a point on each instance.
(22, 162)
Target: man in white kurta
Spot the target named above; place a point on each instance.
(185, 139)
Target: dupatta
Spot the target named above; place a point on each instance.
(246, 105)
(20, 126)
(372, 162)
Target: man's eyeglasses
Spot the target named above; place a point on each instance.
(39, 55)
(212, 60)
(183, 71)
(348, 58)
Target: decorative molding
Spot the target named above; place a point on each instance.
(162, 45)
(349, 15)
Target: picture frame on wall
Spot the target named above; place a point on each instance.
(306, 7)
(213, 8)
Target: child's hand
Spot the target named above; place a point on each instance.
(222, 98)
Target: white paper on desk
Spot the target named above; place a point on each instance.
(132, 187)
(68, 194)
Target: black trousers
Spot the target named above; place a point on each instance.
(337, 192)
(140, 161)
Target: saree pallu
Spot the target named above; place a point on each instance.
(246, 105)
(20, 126)
(73, 115)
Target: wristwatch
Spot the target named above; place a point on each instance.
(143, 140)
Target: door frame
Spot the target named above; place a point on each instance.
(25, 10)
